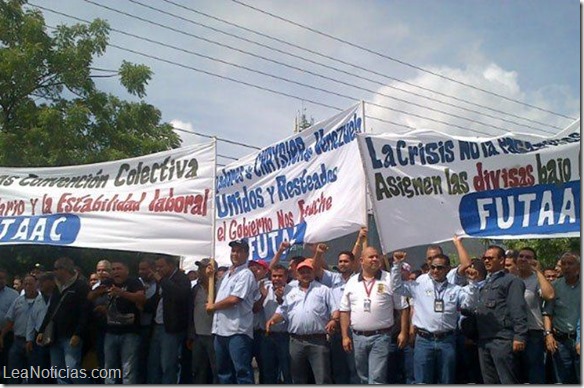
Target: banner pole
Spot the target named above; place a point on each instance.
(365, 243)
(211, 291)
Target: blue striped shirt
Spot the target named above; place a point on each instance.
(308, 312)
(18, 313)
(425, 290)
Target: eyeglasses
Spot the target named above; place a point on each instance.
(485, 258)
(438, 267)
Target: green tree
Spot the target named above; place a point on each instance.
(548, 250)
(51, 113)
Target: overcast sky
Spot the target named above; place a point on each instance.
(524, 50)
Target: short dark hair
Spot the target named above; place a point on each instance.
(29, 275)
(169, 259)
(443, 257)
(122, 262)
(530, 250)
(279, 267)
(66, 263)
(480, 267)
(500, 251)
(435, 247)
(348, 253)
(46, 276)
(150, 261)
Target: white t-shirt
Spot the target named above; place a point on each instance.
(382, 302)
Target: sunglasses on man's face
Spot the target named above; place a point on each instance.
(438, 267)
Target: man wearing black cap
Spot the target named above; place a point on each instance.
(233, 319)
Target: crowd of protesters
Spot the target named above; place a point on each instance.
(500, 318)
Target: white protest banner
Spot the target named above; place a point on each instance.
(158, 203)
(427, 186)
(309, 187)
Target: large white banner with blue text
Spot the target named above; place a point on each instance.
(158, 203)
(309, 187)
(427, 186)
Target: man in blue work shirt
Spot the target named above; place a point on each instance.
(311, 313)
(501, 321)
(438, 303)
(233, 319)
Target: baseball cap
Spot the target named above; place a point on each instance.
(241, 242)
(306, 263)
(203, 263)
(261, 263)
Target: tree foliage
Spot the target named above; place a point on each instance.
(51, 113)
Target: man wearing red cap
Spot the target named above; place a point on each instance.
(311, 313)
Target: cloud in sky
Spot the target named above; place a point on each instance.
(527, 50)
(478, 120)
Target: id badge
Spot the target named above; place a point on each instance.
(438, 306)
(367, 305)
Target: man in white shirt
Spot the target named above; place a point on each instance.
(367, 308)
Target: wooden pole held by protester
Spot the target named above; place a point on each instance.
(211, 292)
